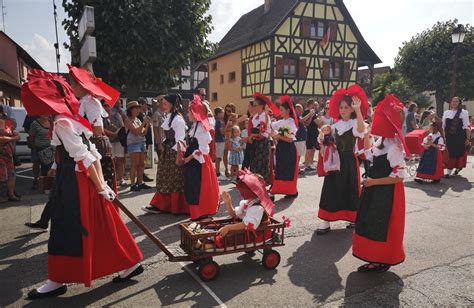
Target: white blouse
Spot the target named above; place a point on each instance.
(204, 139)
(262, 117)
(441, 144)
(290, 122)
(179, 127)
(395, 155)
(343, 126)
(464, 116)
(68, 133)
(92, 109)
(250, 212)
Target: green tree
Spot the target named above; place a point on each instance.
(394, 83)
(143, 44)
(426, 62)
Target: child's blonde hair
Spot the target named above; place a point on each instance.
(235, 128)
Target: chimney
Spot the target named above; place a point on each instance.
(267, 6)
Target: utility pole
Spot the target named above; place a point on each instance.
(56, 46)
(3, 15)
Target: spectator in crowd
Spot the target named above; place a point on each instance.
(136, 146)
(42, 154)
(324, 118)
(309, 120)
(220, 141)
(8, 136)
(158, 120)
(301, 133)
(112, 125)
(229, 122)
(248, 148)
(145, 112)
(405, 111)
(411, 118)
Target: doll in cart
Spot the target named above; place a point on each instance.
(329, 155)
(253, 211)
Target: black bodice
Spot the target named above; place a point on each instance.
(346, 141)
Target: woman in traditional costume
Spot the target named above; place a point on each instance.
(170, 196)
(286, 156)
(431, 163)
(88, 240)
(458, 136)
(259, 128)
(200, 181)
(90, 91)
(379, 229)
(340, 192)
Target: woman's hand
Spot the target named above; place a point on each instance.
(369, 182)
(52, 172)
(356, 103)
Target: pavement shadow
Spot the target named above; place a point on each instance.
(432, 190)
(313, 265)
(18, 246)
(459, 183)
(373, 290)
(83, 299)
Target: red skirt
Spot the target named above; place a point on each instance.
(212, 145)
(281, 187)
(108, 248)
(439, 169)
(391, 251)
(174, 203)
(457, 162)
(209, 194)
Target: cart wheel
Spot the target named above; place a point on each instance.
(271, 259)
(208, 270)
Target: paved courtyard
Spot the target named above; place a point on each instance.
(314, 270)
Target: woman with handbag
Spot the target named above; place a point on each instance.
(42, 151)
(170, 196)
(458, 136)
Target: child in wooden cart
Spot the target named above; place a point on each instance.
(254, 210)
(431, 163)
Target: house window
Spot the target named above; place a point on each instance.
(214, 66)
(317, 29)
(289, 67)
(214, 96)
(335, 70)
(222, 79)
(231, 76)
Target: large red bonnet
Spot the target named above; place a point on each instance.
(268, 101)
(257, 185)
(338, 96)
(287, 99)
(199, 112)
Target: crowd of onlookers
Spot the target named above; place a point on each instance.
(132, 132)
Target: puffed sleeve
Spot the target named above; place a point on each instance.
(465, 119)
(355, 132)
(239, 210)
(179, 127)
(204, 138)
(73, 144)
(253, 216)
(396, 157)
(94, 111)
(293, 127)
(276, 125)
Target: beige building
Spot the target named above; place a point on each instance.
(300, 48)
(15, 63)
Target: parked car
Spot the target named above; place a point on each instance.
(22, 150)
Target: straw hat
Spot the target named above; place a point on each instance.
(132, 104)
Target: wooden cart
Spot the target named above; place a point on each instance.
(204, 257)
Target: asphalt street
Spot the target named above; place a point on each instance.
(314, 270)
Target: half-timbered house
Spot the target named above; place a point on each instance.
(303, 48)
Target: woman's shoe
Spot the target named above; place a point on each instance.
(373, 267)
(14, 198)
(135, 188)
(136, 272)
(322, 231)
(34, 294)
(291, 196)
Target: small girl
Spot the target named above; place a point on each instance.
(431, 163)
(330, 156)
(235, 155)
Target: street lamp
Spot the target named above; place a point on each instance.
(457, 37)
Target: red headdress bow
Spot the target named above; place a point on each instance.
(267, 101)
(94, 85)
(199, 112)
(388, 120)
(288, 100)
(50, 94)
(257, 186)
(338, 96)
